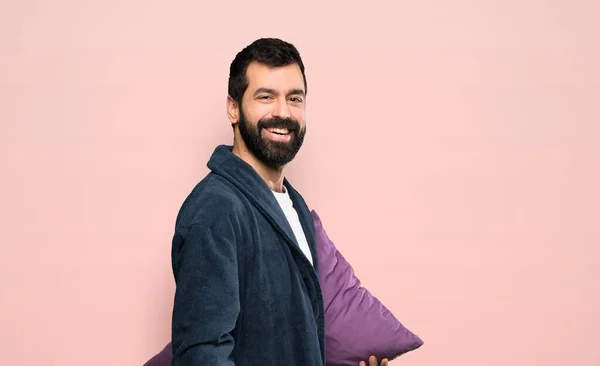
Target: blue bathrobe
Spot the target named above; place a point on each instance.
(245, 292)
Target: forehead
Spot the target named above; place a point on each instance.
(278, 78)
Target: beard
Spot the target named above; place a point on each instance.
(274, 154)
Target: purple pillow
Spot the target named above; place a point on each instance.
(163, 358)
(357, 324)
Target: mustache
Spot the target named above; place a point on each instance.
(286, 123)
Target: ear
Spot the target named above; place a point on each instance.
(233, 110)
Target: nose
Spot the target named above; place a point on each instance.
(281, 109)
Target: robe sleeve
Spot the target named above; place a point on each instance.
(207, 303)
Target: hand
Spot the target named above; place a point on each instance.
(373, 362)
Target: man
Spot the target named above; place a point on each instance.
(243, 255)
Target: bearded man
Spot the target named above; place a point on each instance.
(243, 252)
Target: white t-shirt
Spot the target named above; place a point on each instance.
(292, 216)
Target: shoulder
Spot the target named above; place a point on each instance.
(212, 203)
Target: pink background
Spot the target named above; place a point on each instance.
(453, 153)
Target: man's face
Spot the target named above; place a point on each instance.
(271, 117)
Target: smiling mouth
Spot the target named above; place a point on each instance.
(279, 131)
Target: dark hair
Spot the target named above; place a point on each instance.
(272, 52)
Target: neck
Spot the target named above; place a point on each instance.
(272, 176)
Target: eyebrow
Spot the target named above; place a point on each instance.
(272, 91)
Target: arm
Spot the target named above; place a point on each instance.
(206, 302)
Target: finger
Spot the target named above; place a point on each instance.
(384, 362)
(372, 361)
(362, 363)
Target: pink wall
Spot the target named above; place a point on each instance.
(453, 154)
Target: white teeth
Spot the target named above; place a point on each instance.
(281, 131)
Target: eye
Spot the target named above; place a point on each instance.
(296, 99)
(264, 97)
